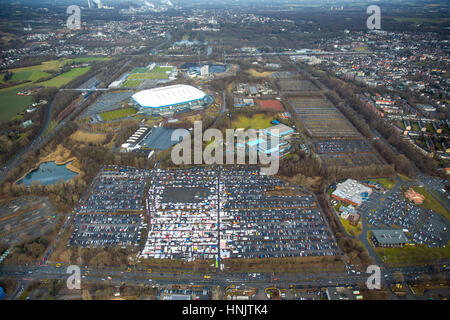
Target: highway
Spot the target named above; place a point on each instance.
(93, 274)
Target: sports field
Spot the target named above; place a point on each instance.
(273, 105)
(258, 121)
(118, 114)
(132, 83)
(65, 78)
(148, 75)
(157, 73)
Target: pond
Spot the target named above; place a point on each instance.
(49, 173)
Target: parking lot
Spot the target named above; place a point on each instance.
(25, 217)
(106, 102)
(321, 118)
(257, 225)
(116, 189)
(100, 230)
(196, 211)
(293, 86)
(346, 152)
(183, 211)
(423, 226)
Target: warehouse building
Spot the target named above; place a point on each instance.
(352, 192)
(388, 238)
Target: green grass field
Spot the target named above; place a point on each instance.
(258, 121)
(65, 78)
(132, 83)
(422, 20)
(11, 104)
(117, 114)
(148, 75)
(89, 59)
(385, 182)
(412, 255)
(159, 69)
(139, 70)
(350, 229)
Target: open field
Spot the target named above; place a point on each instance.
(65, 78)
(89, 59)
(26, 76)
(258, 121)
(11, 104)
(423, 20)
(351, 229)
(412, 255)
(385, 182)
(321, 118)
(37, 72)
(86, 137)
(257, 74)
(118, 114)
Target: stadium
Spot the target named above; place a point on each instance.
(171, 99)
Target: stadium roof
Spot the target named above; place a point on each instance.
(168, 96)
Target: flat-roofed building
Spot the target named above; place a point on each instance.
(352, 192)
(389, 238)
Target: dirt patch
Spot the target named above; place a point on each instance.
(82, 136)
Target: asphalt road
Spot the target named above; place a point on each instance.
(26, 274)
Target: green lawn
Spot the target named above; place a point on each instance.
(403, 177)
(385, 182)
(89, 59)
(148, 75)
(412, 255)
(258, 121)
(422, 20)
(431, 203)
(65, 78)
(160, 69)
(139, 70)
(11, 104)
(118, 114)
(350, 228)
(132, 83)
